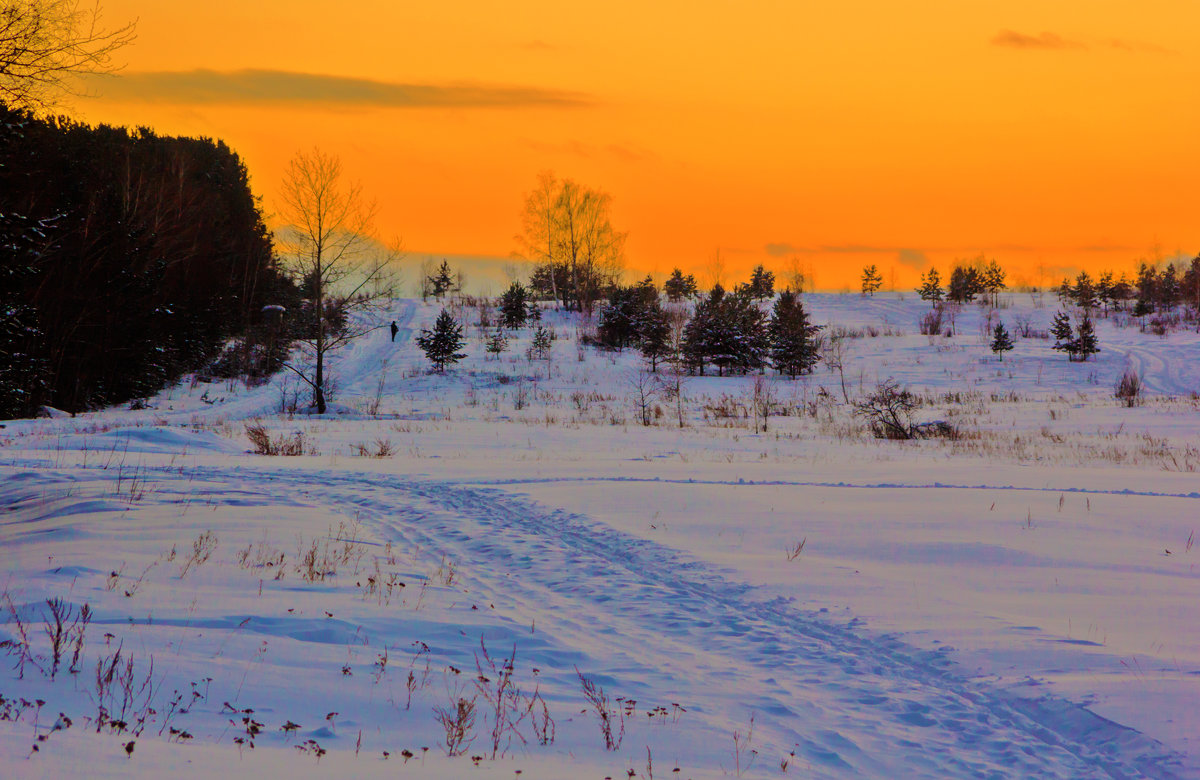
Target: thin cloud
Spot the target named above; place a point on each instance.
(919, 257)
(276, 86)
(913, 258)
(1045, 41)
(620, 152)
(1136, 47)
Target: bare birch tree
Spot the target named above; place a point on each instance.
(329, 244)
(568, 235)
(45, 45)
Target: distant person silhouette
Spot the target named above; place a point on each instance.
(395, 330)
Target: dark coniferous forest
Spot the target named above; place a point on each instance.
(126, 259)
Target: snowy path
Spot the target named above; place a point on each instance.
(847, 702)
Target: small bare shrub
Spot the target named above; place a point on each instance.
(888, 410)
(1129, 389)
(931, 323)
(263, 444)
(458, 724)
(202, 549)
(612, 719)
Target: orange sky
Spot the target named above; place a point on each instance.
(1060, 134)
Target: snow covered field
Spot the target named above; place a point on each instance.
(1018, 601)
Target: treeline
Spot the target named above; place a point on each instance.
(127, 259)
(728, 330)
(1151, 292)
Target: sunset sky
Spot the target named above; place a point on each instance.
(1048, 135)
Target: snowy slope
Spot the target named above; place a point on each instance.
(1019, 602)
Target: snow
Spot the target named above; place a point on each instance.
(1019, 601)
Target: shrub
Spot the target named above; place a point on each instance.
(1129, 389)
(888, 410)
(260, 437)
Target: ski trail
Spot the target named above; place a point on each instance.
(847, 701)
(517, 481)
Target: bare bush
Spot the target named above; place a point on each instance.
(260, 437)
(888, 410)
(458, 723)
(931, 322)
(612, 719)
(1128, 389)
(202, 549)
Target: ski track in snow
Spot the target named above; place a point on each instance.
(847, 701)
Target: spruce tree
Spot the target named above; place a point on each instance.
(1064, 336)
(514, 306)
(931, 287)
(748, 342)
(1001, 341)
(441, 344)
(700, 335)
(792, 336)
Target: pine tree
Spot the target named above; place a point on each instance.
(1083, 293)
(871, 280)
(441, 344)
(965, 284)
(793, 338)
(992, 280)
(1104, 290)
(1168, 288)
(1190, 286)
(1122, 292)
(677, 287)
(762, 284)
(514, 306)
(1086, 343)
(931, 287)
(1001, 341)
(442, 281)
(1064, 336)
(1147, 284)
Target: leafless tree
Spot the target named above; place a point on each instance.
(835, 356)
(45, 45)
(328, 242)
(567, 233)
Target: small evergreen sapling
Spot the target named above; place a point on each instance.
(539, 347)
(497, 342)
(441, 344)
(1001, 341)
